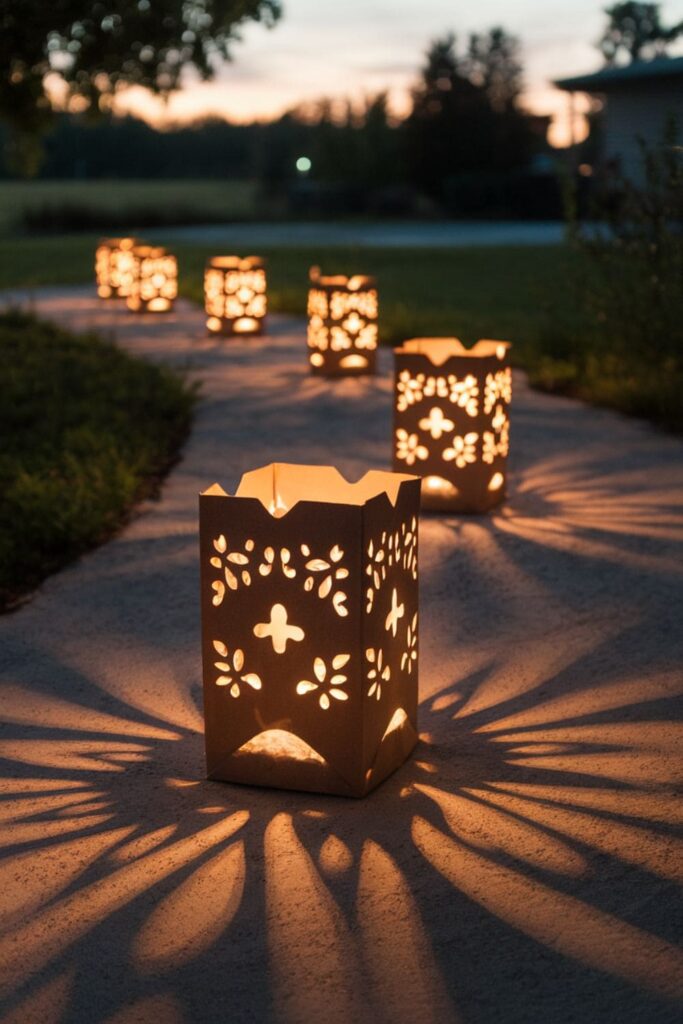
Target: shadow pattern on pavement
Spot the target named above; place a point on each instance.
(522, 867)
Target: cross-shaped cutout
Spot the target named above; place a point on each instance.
(278, 629)
(436, 423)
(396, 612)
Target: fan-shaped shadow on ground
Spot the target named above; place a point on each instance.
(522, 866)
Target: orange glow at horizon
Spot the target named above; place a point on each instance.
(261, 101)
(262, 104)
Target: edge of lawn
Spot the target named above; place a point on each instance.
(89, 431)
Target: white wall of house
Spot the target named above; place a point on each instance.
(639, 111)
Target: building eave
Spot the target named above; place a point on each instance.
(641, 71)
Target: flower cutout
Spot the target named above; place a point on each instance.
(353, 323)
(489, 447)
(377, 564)
(436, 423)
(367, 337)
(499, 420)
(409, 656)
(328, 687)
(436, 386)
(330, 570)
(408, 447)
(230, 669)
(340, 340)
(496, 443)
(498, 388)
(409, 389)
(463, 451)
(269, 556)
(377, 672)
(234, 565)
(464, 393)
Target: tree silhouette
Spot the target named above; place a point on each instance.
(449, 129)
(464, 117)
(635, 30)
(97, 47)
(493, 62)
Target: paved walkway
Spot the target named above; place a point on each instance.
(522, 867)
(383, 234)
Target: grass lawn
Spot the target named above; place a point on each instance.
(85, 432)
(527, 295)
(104, 204)
(515, 293)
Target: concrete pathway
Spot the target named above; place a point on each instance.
(522, 867)
(383, 234)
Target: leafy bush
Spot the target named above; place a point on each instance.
(628, 284)
(85, 431)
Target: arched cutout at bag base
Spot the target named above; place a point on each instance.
(291, 763)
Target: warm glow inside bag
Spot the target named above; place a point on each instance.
(310, 628)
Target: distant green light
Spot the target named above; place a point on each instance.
(303, 165)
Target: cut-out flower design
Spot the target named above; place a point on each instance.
(489, 447)
(499, 420)
(391, 549)
(269, 558)
(353, 323)
(496, 443)
(378, 672)
(409, 389)
(330, 570)
(231, 668)
(436, 423)
(367, 337)
(234, 565)
(317, 335)
(464, 393)
(377, 563)
(409, 656)
(328, 687)
(408, 447)
(436, 386)
(463, 451)
(409, 547)
(339, 339)
(498, 388)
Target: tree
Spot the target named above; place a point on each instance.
(465, 118)
(493, 63)
(97, 47)
(635, 30)
(448, 130)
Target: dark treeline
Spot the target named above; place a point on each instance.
(465, 147)
(126, 147)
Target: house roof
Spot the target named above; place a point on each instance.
(616, 77)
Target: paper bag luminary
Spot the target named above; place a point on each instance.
(113, 264)
(310, 628)
(235, 295)
(152, 284)
(451, 420)
(342, 324)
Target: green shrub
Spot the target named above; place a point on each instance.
(628, 283)
(85, 431)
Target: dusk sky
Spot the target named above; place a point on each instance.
(348, 48)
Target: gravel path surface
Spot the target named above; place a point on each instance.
(522, 867)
